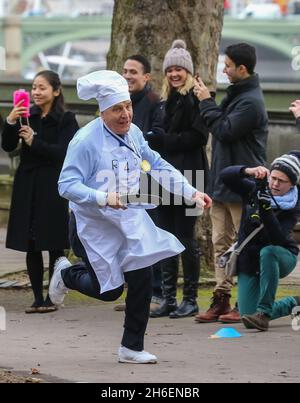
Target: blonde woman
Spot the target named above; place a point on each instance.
(183, 145)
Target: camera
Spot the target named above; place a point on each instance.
(262, 184)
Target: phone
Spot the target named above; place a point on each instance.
(20, 95)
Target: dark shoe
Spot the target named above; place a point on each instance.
(258, 321)
(47, 306)
(155, 303)
(164, 310)
(185, 310)
(120, 308)
(47, 309)
(231, 318)
(34, 308)
(248, 325)
(220, 306)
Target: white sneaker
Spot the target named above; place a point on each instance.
(57, 288)
(127, 356)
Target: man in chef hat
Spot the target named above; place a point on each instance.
(119, 243)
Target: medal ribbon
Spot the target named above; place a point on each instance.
(123, 143)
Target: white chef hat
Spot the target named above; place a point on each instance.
(108, 87)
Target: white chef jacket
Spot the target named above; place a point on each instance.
(116, 241)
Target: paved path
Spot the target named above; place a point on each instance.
(11, 261)
(79, 344)
(87, 337)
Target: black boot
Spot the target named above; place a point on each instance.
(191, 273)
(169, 285)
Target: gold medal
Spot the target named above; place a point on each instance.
(146, 166)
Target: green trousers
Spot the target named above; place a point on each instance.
(257, 294)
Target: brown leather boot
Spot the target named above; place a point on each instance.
(232, 317)
(220, 306)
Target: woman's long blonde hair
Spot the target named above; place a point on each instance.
(166, 88)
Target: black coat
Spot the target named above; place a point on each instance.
(279, 225)
(298, 123)
(37, 212)
(147, 111)
(148, 117)
(183, 142)
(240, 132)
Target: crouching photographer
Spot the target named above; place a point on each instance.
(270, 201)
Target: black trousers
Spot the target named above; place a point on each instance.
(82, 278)
(156, 268)
(35, 268)
(174, 219)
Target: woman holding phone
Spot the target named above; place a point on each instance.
(39, 216)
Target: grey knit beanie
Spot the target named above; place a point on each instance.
(179, 56)
(290, 165)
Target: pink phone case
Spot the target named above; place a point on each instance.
(20, 95)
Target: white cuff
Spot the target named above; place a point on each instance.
(189, 192)
(101, 198)
(10, 123)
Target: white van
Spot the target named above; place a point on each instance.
(267, 11)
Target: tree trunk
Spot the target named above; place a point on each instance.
(149, 27)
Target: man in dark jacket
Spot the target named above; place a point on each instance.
(239, 127)
(147, 112)
(295, 109)
(271, 199)
(147, 116)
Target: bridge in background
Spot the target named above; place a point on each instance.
(29, 36)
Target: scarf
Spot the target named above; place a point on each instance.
(287, 201)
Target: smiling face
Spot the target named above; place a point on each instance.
(43, 94)
(118, 118)
(279, 183)
(176, 76)
(134, 74)
(235, 73)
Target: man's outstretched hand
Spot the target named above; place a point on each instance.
(202, 200)
(114, 202)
